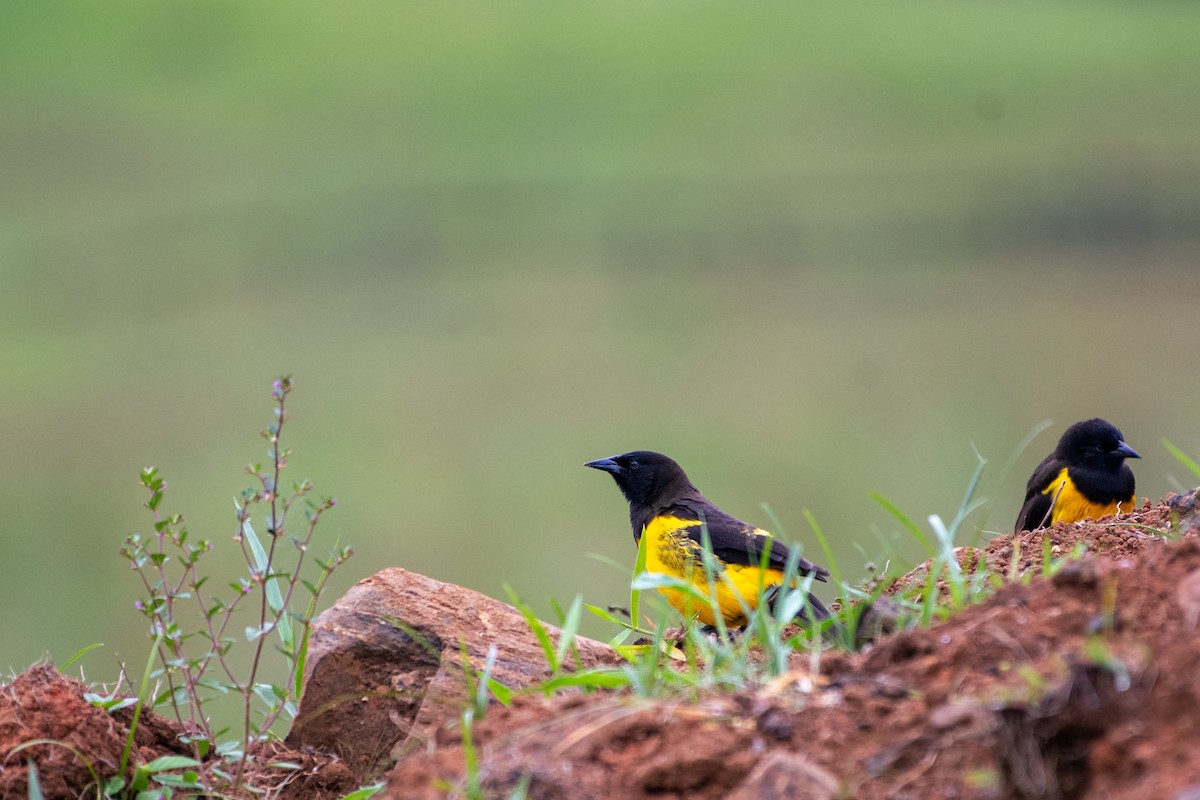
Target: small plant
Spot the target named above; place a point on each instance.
(961, 587)
(1052, 564)
(564, 672)
(634, 611)
(196, 625)
(142, 786)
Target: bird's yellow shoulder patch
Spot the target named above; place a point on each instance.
(1070, 505)
(670, 551)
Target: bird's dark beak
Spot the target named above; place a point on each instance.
(1125, 451)
(606, 464)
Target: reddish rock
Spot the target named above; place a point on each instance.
(385, 665)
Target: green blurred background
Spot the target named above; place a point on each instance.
(810, 252)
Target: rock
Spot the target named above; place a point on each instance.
(1185, 507)
(882, 616)
(385, 665)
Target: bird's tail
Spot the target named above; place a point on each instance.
(813, 611)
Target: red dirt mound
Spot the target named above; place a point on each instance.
(43, 704)
(1076, 679)
(1079, 684)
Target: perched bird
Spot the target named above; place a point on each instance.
(667, 508)
(1086, 477)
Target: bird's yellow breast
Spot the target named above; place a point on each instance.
(669, 551)
(1069, 505)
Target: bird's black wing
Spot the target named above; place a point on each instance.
(1036, 510)
(737, 542)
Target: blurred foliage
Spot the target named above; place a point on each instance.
(810, 252)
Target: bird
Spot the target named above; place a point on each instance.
(667, 508)
(1086, 477)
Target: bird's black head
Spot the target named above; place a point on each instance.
(1094, 443)
(644, 477)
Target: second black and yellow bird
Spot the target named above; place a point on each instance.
(1086, 477)
(666, 508)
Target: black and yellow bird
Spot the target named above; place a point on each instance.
(1086, 477)
(665, 507)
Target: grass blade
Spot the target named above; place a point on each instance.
(635, 594)
(79, 655)
(1011, 463)
(830, 559)
(1182, 457)
(568, 630)
(913, 529)
(35, 783)
(537, 626)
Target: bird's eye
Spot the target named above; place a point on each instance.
(632, 465)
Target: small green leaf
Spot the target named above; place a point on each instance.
(592, 679)
(170, 762)
(500, 691)
(230, 748)
(365, 793)
(110, 702)
(604, 614)
(274, 595)
(270, 695)
(188, 780)
(633, 652)
(176, 781)
(253, 634)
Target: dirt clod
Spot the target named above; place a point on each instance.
(84, 745)
(42, 705)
